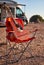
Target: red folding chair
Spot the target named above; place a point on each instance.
(15, 33)
(18, 36)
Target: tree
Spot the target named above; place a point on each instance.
(36, 19)
(43, 20)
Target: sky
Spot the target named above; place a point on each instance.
(33, 7)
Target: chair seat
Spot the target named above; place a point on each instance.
(23, 36)
(22, 33)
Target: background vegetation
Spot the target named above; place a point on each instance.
(36, 19)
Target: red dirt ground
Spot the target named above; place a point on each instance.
(34, 54)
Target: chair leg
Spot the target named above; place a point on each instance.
(8, 47)
(19, 54)
(15, 51)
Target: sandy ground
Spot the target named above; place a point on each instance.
(33, 55)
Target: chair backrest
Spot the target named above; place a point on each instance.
(10, 24)
(20, 22)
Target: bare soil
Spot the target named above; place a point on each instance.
(33, 55)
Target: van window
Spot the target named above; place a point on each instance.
(19, 11)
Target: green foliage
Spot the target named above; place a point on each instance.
(36, 19)
(43, 20)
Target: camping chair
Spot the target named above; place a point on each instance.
(17, 36)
